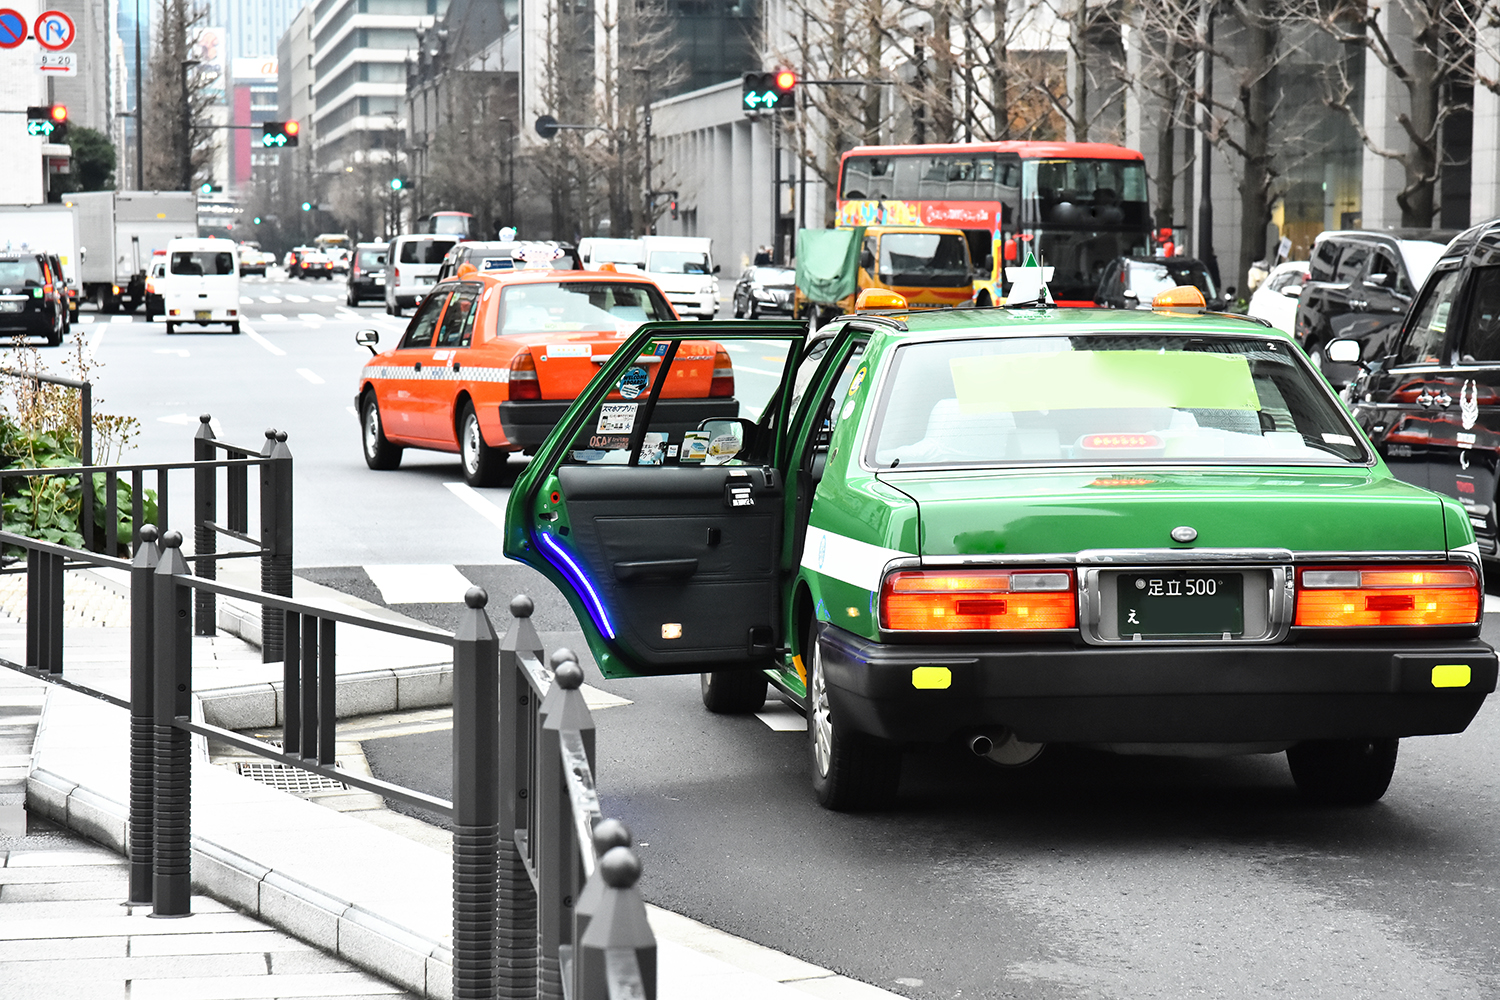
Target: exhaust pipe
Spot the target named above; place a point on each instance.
(981, 745)
(1004, 749)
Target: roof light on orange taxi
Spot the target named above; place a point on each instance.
(467, 268)
(608, 266)
(1181, 297)
(879, 298)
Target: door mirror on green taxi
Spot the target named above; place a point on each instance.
(367, 338)
(1344, 352)
(727, 438)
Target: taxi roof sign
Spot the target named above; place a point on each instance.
(1181, 297)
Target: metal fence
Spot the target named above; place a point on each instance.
(273, 547)
(545, 903)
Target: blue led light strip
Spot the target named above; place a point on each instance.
(570, 569)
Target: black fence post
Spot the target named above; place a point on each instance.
(275, 537)
(205, 514)
(556, 850)
(476, 803)
(516, 912)
(142, 713)
(86, 446)
(44, 611)
(173, 780)
(619, 944)
(607, 833)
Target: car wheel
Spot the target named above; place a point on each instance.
(396, 308)
(234, 328)
(1315, 355)
(350, 298)
(983, 301)
(850, 770)
(733, 692)
(754, 309)
(482, 464)
(171, 328)
(739, 310)
(1343, 772)
(379, 452)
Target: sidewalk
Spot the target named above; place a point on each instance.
(367, 899)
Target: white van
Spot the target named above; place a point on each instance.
(594, 252)
(684, 268)
(411, 268)
(201, 283)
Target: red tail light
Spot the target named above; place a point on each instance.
(523, 382)
(1363, 596)
(978, 600)
(723, 380)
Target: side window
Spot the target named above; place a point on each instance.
(419, 333)
(458, 321)
(1481, 333)
(1325, 257)
(1352, 264)
(1424, 339)
(1383, 270)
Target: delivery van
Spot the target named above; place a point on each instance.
(201, 284)
(684, 268)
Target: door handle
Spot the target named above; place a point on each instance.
(659, 569)
(418, 366)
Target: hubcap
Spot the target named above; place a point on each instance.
(372, 429)
(821, 723)
(471, 444)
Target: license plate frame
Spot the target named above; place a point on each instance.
(1180, 604)
(203, 315)
(12, 307)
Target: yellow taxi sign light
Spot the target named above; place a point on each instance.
(1451, 675)
(879, 298)
(1181, 297)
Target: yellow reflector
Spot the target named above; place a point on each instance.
(1451, 675)
(879, 298)
(932, 678)
(1181, 297)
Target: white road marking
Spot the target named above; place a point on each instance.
(352, 411)
(475, 499)
(348, 314)
(246, 300)
(324, 298)
(270, 299)
(85, 319)
(95, 339)
(315, 318)
(122, 319)
(1491, 604)
(419, 584)
(783, 718)
(181, 419)
(310, 375)
(181, 352)
(296, 298)
(273, 317)
(262, 341)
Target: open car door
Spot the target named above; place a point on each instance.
(655, 504)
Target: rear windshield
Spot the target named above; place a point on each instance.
(371, 258)
(202, 262)
(580, 305)
(1145, 399)
(1146, 278)
(22, 272)
(678, 262)
(425, 251)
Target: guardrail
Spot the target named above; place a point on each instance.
(273, 459)
(545, 902)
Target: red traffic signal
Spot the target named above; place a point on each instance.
(292, 128)
(786, 81)
(47, 120)
(58, 113)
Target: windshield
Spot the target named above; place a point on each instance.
(678, 262)
(202, 262)
(580, 305)
(1147, 278)
(23, 272)
(425, 251)
(928, 259)
(1116, 400)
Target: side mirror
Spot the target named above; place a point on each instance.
(1344, 352)
(1229, 291)
(728, 437)
(367, 338)
(83, 255)
(1381, 279)
(1131, 294)
(867, 260)
(716, 269)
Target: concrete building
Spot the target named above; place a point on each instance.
(24, 159)
(87, 95)
(253, 27)
(254, 99)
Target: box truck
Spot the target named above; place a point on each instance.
(47, 228)
(118, 231)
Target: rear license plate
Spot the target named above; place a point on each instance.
(379, 279)
(12, 307)
(203, 315)
(1180, 604)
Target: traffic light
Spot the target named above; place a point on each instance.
(397, 184)
(275, 135)
(758, 93)
(49, 120)
(785, 82)
(307, 206)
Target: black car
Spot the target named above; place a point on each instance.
(1360, 286)
(366, 279)
(1132, 282)
(1432, 403)
(33, 297)
(763, 289)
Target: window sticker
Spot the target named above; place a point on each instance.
(1338, 439)
(723, 448)
(694, 446)
(568, 351)
(653, 449)
(859, 380)
(634, 382)
(616, 418)
(1072, 380)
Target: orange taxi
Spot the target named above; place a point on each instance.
(490, 361)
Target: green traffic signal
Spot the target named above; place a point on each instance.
(396, 184)
(307, 206)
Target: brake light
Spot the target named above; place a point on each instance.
(1361, 596)
(932, 601)
(396, 274)
(723, 380)
(1127, 441)
(523, 381)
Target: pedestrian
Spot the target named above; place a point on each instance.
(763, 257)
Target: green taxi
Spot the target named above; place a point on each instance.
(1146, 532)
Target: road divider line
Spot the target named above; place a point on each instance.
(310, 375)
(419, 584)
(95, 339)
(262, 341)
(474, 499)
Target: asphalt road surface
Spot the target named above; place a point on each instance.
(1082, 876)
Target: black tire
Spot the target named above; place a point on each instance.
(1343, 772)
(234, 328)
(733, 692)
(983, 302)
(396, 308)
(482, 465)
(850, 770)
(754, 309)
(380, 454)
(739, 310)
(171, 328)
(350, 298)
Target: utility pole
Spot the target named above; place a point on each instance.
(1204, 244)
(185, 165)
(140, 106)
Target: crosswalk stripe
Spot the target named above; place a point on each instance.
(273, 317)
(270, 300)
(324, 298)
(310, 375)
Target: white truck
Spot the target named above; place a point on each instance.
(45, 228)
(684, 268)
(118, 231)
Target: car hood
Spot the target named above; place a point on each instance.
(1054, 511)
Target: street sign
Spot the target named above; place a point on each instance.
(546, 126)
(57, 63)
(12, 28)
(54, 30)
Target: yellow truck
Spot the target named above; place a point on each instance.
(927, 266)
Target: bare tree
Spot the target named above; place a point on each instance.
(471, 163)
(178, 93)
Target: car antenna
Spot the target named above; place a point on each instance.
(1031, 281)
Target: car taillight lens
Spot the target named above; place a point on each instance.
(932, 601)
(723, 380)
(523, 383)
(1359, 596)
(396, 274)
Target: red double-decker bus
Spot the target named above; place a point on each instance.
(1079, 204)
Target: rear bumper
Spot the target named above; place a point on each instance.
(527, 424)
(694, 305)
(1159, 694)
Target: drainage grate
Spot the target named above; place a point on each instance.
(286, 778)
